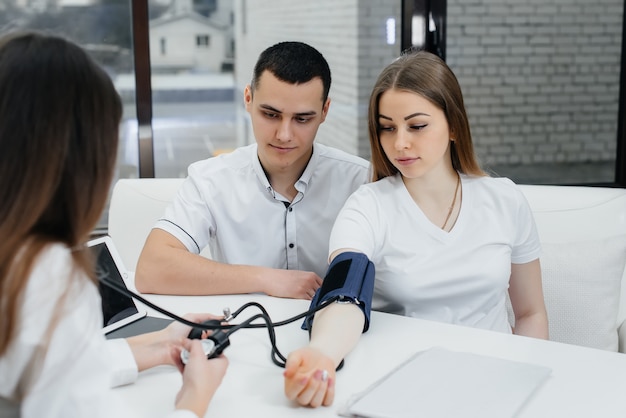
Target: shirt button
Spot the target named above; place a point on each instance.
(290, 245)
(290, 209)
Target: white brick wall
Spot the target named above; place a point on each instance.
(540, 77)
(351, 36)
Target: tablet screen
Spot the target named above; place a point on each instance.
(117, 309)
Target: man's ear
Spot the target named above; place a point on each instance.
(325, 109)
(247, 97)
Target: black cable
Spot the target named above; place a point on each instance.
(123, 290)
(270, 329)
(286, 321)
(231, 328)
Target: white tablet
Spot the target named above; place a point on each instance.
(118, 310)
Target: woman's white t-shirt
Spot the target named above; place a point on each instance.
(70, 371)
(422, 271)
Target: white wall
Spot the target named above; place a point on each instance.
(350, 34)
(540, 77)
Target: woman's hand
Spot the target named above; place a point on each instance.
(310, 371)
(176, 335)
(164, 346)
(310, 377)
(201, 378)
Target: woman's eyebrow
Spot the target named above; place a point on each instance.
(415, 114)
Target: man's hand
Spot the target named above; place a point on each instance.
(294, 284)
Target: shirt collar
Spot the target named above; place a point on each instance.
(304, 179)
(302, 182)
(258, 169)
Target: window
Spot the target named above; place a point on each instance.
(203, 41)
(197, 94)
(103, 29)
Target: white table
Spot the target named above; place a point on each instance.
(584, 382)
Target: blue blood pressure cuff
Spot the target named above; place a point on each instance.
(350, 277)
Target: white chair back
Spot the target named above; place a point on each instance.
(136, 205)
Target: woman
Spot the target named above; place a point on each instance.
(446, 240)
(59, 122)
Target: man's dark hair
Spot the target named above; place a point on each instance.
(294, 63)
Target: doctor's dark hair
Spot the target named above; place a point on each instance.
(427, 75)
(59, 124)
(293, 63)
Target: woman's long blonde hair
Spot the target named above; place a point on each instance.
(427, 75)
(59, 127)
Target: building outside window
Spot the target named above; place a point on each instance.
(163, 44)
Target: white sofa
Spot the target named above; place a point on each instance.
(582, 230)
(136, 205)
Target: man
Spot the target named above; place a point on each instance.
(265, 210)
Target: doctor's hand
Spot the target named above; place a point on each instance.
(175, 334)
(201, 378)
(164, 346)
(310, 377)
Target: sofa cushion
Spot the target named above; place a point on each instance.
(582, 284)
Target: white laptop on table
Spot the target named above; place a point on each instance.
(122, 316)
